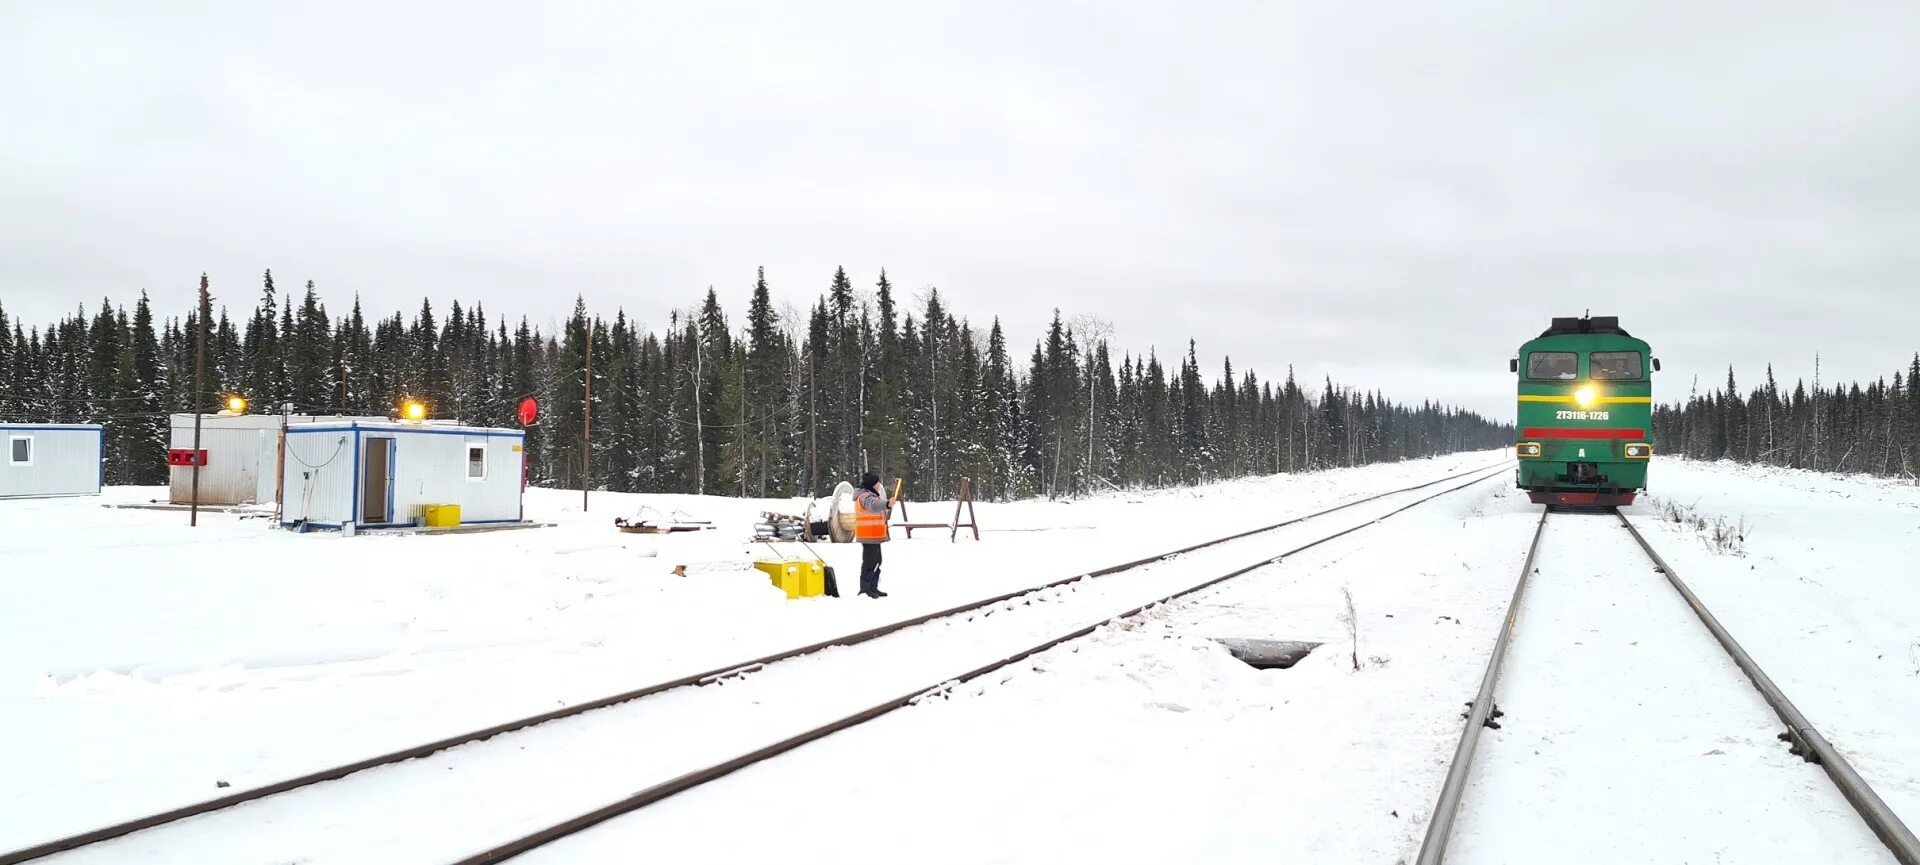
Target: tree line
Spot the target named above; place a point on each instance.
(780, 402)
(1844, 428)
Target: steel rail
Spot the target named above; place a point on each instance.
(1880, 818)
(1440, 828)
(1886, 825)
(690, 780)
(161, 818)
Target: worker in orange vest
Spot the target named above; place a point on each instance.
(870, 529)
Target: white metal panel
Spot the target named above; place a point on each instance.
(65, 460)
(267, 457)
(319, 476)
(232, 473)
(431, 469)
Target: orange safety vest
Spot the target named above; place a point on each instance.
(868, 526)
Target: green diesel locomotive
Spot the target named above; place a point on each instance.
(1586, 412)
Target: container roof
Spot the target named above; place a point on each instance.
(388, 425)
(51, 426)
(184, 420)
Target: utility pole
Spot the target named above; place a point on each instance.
(280, 464)
(586, 429)
(813, 423)
(199, 383)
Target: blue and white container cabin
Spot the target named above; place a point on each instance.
(52, 459)
(381, 474)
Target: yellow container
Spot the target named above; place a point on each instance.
(813, 578)
(799, 579)
(441, 516)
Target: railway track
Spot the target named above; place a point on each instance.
(1648, 736)
(739, 695)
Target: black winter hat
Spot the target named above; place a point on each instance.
(868, 480)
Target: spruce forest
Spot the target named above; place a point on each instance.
(1843, 428)
(783, 402)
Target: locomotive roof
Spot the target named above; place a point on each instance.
(1607, 324)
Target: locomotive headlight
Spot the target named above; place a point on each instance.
(1527, 450)
(1638, 451)
(1585, 396)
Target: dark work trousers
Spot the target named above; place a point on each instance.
(869, 568)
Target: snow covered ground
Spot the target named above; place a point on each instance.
(1824, 593)
(1149, 744)
(479, 790)
(1629, 735)
(147, 661)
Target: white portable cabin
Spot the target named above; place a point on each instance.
(243, 456)
(376, 474)
(52, 459)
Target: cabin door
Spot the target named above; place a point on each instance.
(376, 482)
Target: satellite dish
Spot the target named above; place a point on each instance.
(529, 411)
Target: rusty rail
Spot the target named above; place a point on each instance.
(716, 771)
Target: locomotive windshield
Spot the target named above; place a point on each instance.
(1557, 365)
(1614, 365)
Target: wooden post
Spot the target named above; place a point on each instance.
(199, 382)
(964, 497)
(280, 475)
(905, 523)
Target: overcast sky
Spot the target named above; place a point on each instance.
(1393, 193)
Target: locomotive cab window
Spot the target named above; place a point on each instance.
(1554, 365)
(1614, 365)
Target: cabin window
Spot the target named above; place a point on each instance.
(1553, 365)
(1614, 365)
(476, 462)
(20, 450)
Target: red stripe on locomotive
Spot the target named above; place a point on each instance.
(1541, 432)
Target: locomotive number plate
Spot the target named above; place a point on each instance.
(1580, 415)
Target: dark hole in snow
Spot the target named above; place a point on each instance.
(1267, 654)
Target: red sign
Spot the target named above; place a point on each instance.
(529, 411)
(184, 457)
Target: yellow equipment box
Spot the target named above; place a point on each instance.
(440, 516)
(797, 577)
(813, 578)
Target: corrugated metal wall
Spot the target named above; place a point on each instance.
(429, 467)
(319, 477)
(66, 460)
(234, 469)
